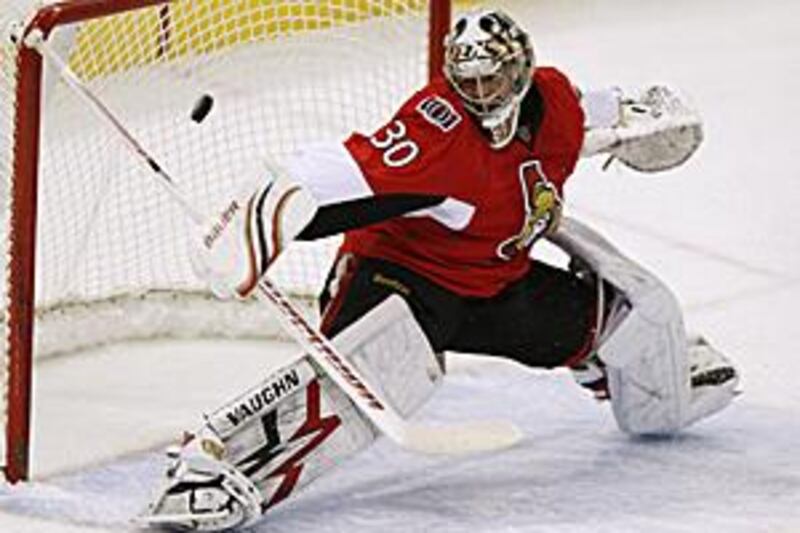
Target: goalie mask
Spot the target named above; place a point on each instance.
(489, 61)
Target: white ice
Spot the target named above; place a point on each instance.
(723, 231)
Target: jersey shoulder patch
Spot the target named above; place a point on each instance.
(439, 112)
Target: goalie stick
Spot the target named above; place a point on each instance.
(466, 437)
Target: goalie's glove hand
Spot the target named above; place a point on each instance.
(654, 130)
(233, 250)
(662, 128)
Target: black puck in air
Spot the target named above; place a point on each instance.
(202, 108)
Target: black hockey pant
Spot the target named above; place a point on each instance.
(546, 319)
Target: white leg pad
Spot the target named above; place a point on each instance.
(650, 390)
(646, 351)
(390, 349)
(295, 426)
(386, 345)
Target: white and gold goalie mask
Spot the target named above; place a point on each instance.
(489, 61)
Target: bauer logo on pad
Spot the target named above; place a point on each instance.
(439, 112)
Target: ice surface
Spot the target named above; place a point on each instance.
(723, 231)
(573, 472)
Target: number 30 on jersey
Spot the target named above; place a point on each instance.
(398, 150)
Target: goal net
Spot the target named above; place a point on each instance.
(95, 251)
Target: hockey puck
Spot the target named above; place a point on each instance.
(202, 108)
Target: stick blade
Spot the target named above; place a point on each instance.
(461, 439)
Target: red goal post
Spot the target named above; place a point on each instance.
(90, 243)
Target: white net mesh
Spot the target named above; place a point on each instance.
(281, 74)
(112, 250)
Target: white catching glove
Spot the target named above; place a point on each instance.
(237, 247)
(674, 130)
(656, 130)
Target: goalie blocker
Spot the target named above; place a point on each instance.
(296, 425)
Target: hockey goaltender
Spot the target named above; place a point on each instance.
(439, 209)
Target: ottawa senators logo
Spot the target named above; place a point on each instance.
(542, 210)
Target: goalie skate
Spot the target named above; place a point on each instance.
(714, 379)
(201, 492)
(708, 367)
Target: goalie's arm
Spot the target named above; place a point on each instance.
(315, 195)
(338, 218)
(343, 197)
(633, 129)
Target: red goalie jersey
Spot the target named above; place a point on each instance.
(497, 202)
